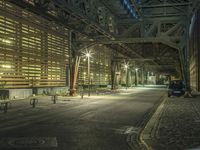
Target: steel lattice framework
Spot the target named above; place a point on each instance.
(151, 31)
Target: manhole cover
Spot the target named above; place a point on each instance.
(25, 142)
(66, 100)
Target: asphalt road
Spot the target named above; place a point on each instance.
(95, 123)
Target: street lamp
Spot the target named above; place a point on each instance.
(136, 69)
(126, 68)
(88, 55)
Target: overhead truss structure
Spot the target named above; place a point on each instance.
(158, 31)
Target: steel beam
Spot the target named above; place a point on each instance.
(165, 5)
(164, 40)
(136, 8)
(172, 19)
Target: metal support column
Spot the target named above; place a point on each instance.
(142, 75)
(74, 65)
(113, 71)
(89, 83)
(136, 78)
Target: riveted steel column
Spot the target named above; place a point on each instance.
(74, 65)
(113, 72)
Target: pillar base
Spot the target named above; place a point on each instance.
(188, 94)
(72, 92)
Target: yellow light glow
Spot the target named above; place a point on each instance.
(88, 55)
(6, 41)
(6, 66)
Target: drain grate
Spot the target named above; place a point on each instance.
(24, 142)
(127, 130)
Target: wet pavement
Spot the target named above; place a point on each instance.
(175, 125)
(110, 122)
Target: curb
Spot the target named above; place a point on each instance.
(150, 124)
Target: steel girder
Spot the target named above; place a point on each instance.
(160, 22)
(165, 40)
(95, 20)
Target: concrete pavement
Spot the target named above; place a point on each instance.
(111, 122)
(175, 125)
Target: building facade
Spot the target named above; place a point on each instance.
(194, 44)
(34, 53)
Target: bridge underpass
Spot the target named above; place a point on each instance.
(91, 47)
(151, 35)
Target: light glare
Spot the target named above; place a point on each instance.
(6, 66)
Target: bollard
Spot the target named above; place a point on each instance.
(5, 107)
(54, 98)
(82, 94)
(33, 102)
(97, 92)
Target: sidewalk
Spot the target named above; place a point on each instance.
(47, 100)
(21, 113)
(175, 125)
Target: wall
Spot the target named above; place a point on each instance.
(194, 44)
(19, 93)
(33, 50)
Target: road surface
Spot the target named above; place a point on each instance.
(96, 123)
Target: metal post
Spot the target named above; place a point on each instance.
(88, 75)
(82, 95)
(82, 90)
(126, 77)
(33, 102)
(136, 77)
(54, 99)
(5, 107)
(70, 58)
(142, 76)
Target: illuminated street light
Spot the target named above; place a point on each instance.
(88, 57)
(136, 70)
(126, 69)
(88, 54)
